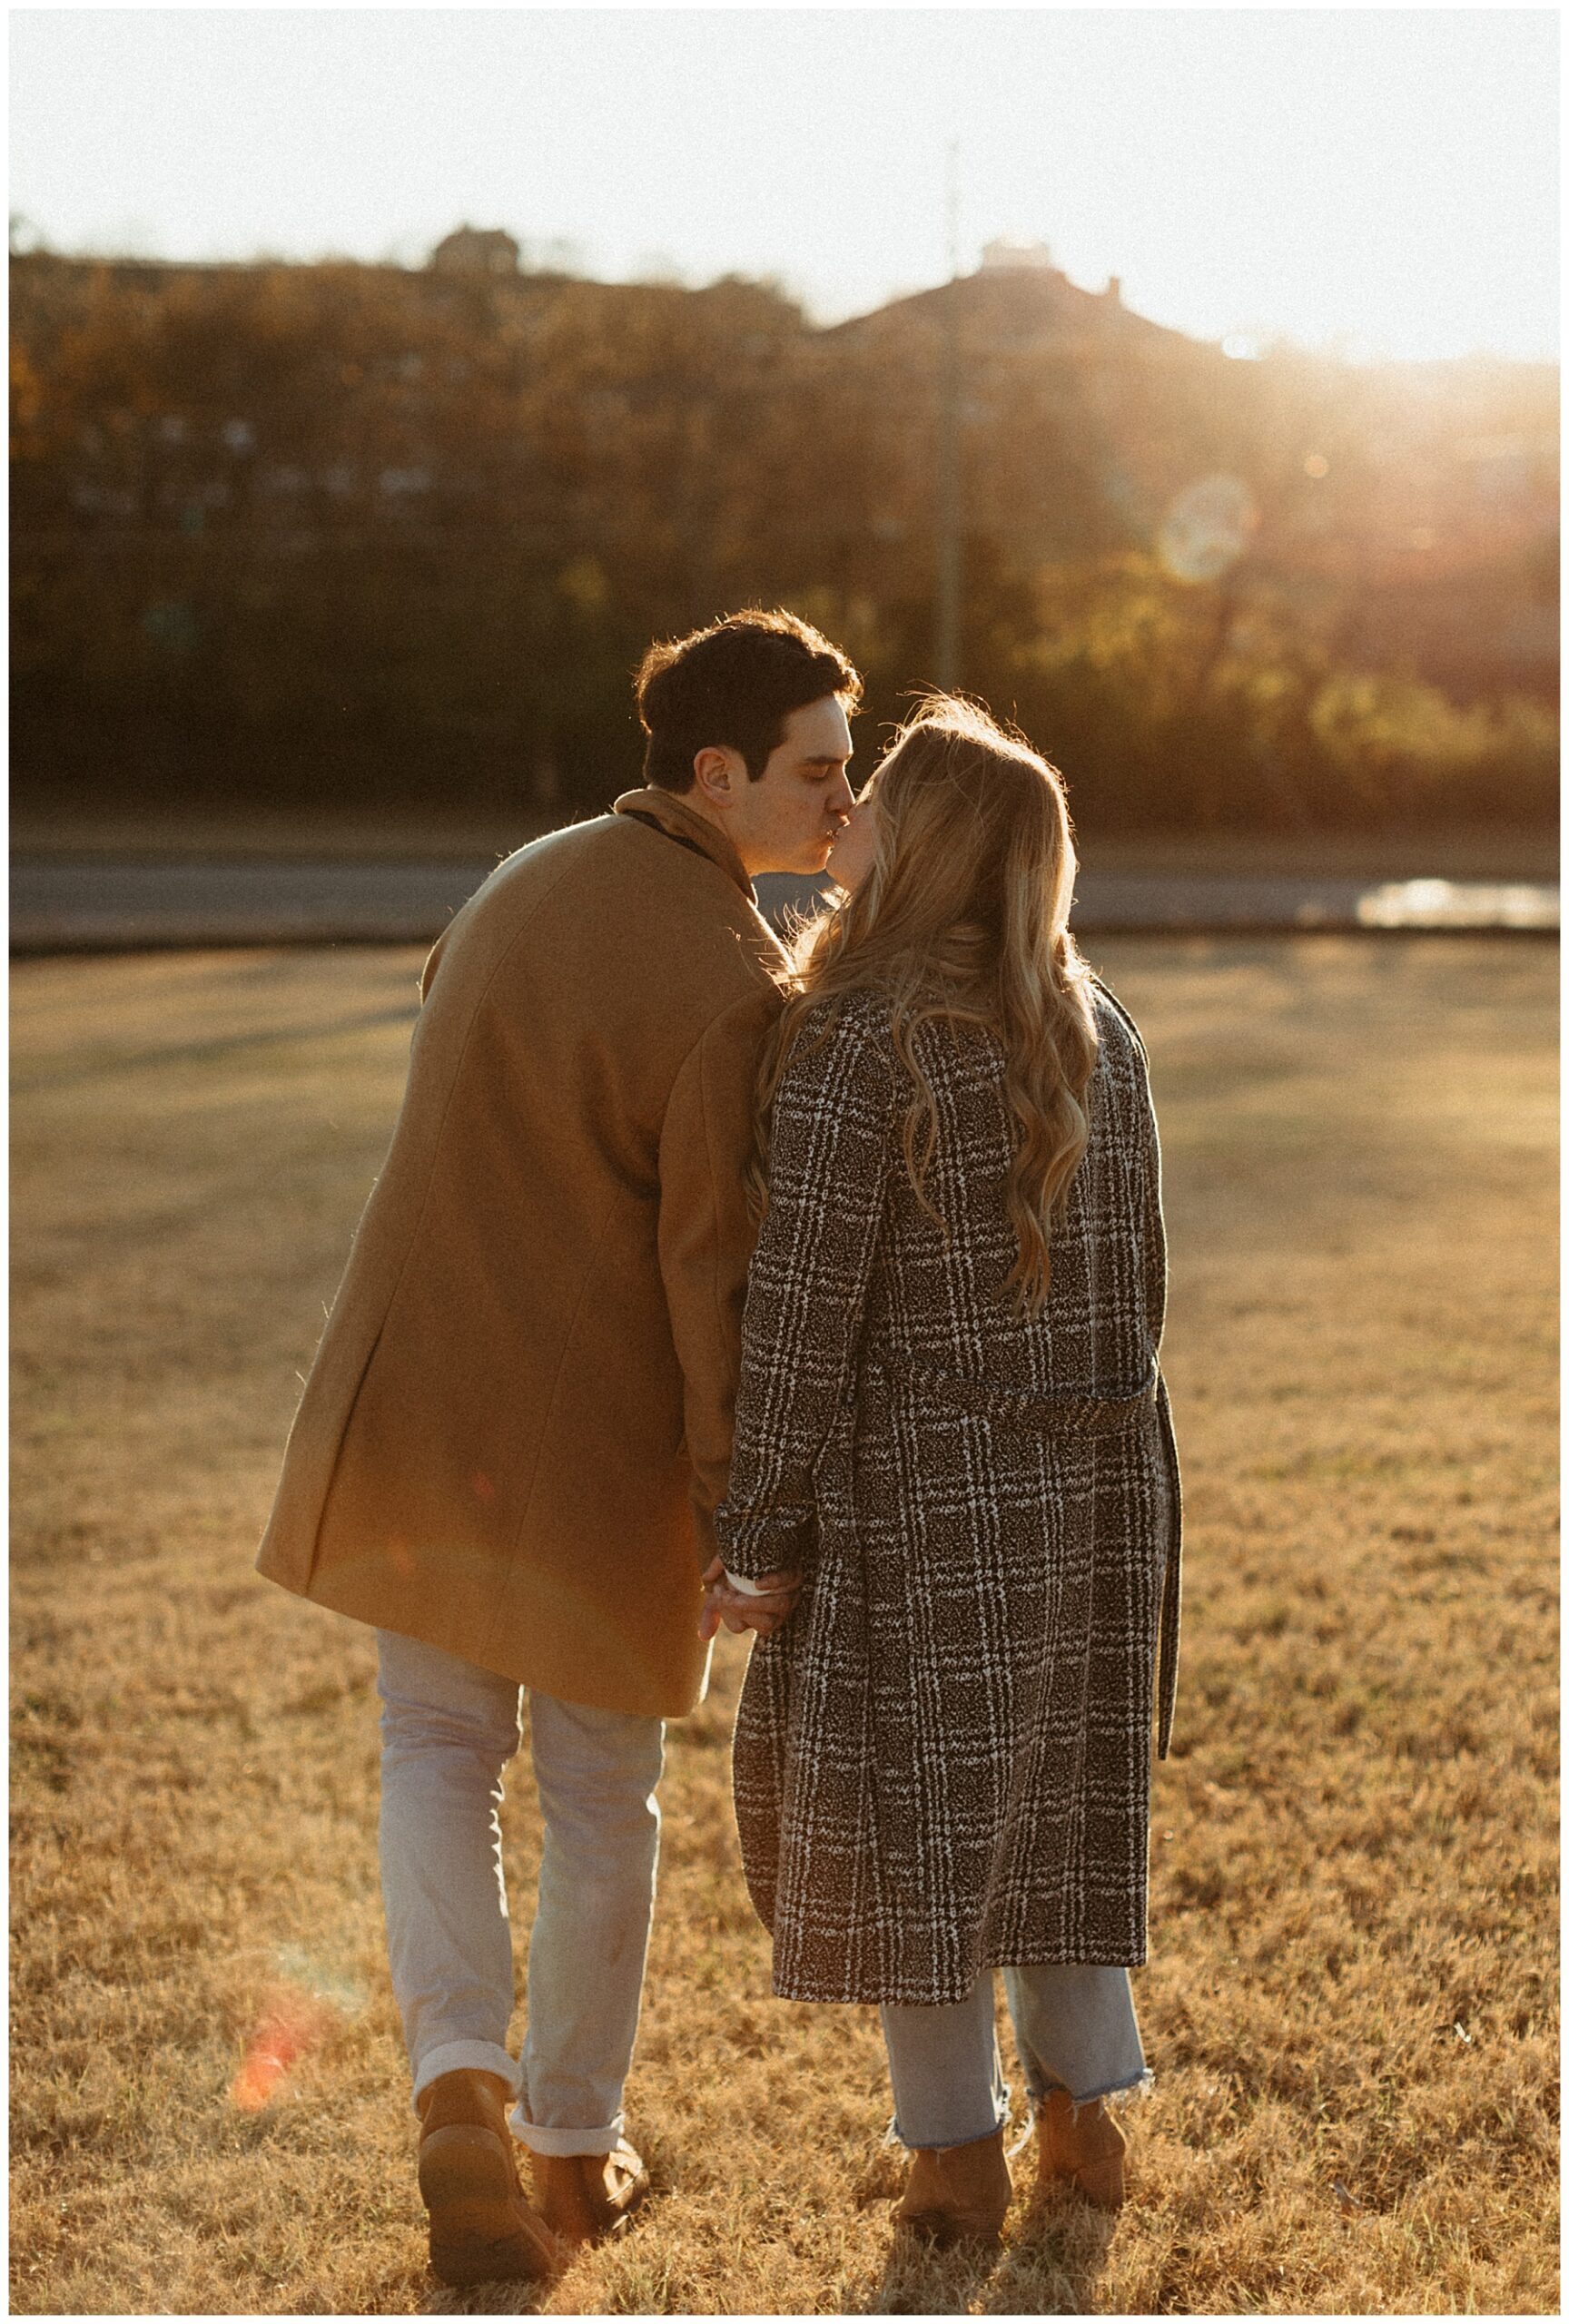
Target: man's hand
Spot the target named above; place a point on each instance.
(741, 1610)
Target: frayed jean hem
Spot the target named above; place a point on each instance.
(1138, 2086)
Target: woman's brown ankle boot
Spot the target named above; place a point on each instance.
(957, 2194)
(1080, 2147)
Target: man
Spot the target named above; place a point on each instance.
(517, 1422)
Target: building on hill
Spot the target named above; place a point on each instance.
(1017, 300)
(477, 250)
(1006, 257)
(1081, 418)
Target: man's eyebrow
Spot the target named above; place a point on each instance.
(831, 758)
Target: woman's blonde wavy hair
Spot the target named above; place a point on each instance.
(964, 915)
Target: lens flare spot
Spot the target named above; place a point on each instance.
(1206, 529)
(307, 2004)
(287, 2033)
(483, 1488)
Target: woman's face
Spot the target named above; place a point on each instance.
(850, 859)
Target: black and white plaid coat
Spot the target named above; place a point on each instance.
(943, 1759)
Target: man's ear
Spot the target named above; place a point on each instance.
(717, 773)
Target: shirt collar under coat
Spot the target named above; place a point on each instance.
(671, 813)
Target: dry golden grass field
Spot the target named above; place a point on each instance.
(1350, 1997)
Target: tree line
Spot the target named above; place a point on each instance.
(297, 536)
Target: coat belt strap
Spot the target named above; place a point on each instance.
(1089, 1416)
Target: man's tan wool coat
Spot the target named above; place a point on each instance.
(518, 1418)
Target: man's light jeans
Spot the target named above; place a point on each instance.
(1076, 2030)
(448, 1731)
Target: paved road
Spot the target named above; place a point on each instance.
(104, 905)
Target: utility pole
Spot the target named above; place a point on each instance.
(950, 505)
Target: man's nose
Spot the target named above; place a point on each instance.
(844, 798)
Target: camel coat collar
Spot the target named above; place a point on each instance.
(671, 813)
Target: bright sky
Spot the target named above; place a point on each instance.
(1385, 177)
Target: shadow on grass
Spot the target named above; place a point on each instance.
(918, 2282)
(483, 2299)
(1050, 2264)
(1055, 2260)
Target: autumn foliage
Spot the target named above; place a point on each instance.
(291, 535)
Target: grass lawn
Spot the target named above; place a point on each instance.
(1349, 2004)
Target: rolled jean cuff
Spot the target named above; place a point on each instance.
(481, 2057)
(542, 2139)
(985, 2130)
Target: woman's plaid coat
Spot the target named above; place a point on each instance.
(943, 1759)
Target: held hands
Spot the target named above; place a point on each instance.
(739, 1610)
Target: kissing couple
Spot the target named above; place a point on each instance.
(814, 1291)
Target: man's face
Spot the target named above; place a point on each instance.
(790, 817)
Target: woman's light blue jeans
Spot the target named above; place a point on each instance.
(1075, 2026)
(448, 1731)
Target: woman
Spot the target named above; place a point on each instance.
(952, 1428)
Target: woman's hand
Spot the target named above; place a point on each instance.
(744, 1609)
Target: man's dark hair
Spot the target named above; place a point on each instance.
(733, 686)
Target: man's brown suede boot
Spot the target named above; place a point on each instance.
(957, 2194)
(482, 2230)
(1081, 2147)
(585, 2197)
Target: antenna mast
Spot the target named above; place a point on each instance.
(949, 512)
